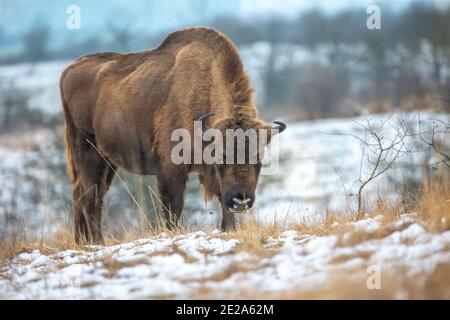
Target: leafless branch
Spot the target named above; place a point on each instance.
(378, 153)
(432, 142)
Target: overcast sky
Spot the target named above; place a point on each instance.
(292, 7)
(17, 16)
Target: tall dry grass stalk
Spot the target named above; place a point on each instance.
(433, 207)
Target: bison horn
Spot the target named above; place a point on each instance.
(281, 126)
(204, 118)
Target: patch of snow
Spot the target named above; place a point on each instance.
(316, 161)
(369, 224)
(181, 266)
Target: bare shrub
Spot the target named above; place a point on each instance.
(418, 158)
(431, 138)
(15, 106)
(379, 152)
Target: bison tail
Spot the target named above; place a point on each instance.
(69, 139)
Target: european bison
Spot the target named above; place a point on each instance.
(121, 109)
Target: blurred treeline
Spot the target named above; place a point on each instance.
(314, 65)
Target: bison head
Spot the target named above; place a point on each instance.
(238, 158)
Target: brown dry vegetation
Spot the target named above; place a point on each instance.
(396, 285)
(431, 209)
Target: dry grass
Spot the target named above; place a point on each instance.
(253, 237)
(64, 239)
(431, 209)
(395, 285)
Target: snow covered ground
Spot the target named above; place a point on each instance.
(315, 166)
(320, 165)
(40, 80)
(317, 162)
(200, 264)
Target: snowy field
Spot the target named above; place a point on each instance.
(316, 165)
(319, 164)
(319, 167)
(211, 265)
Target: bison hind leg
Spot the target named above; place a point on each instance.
(94, 175)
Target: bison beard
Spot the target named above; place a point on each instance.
(121, 109)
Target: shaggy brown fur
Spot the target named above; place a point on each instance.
(120, 111)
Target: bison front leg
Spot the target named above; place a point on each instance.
(228, 220)
(171, 186)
